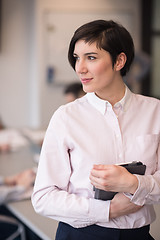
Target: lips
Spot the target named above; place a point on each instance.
(86, 80)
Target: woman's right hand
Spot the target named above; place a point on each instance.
(121, 205)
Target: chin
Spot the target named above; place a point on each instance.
(88, 89)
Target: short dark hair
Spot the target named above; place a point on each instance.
(108, 35)
(75, 88)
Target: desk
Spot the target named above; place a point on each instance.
(11, 163)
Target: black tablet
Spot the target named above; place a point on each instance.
(133, 167)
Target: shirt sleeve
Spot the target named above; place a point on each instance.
(148, 191)
(51, 196)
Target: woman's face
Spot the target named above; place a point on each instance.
(94, 68)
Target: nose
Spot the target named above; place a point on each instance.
(81, 67)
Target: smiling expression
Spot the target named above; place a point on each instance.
(94, 68)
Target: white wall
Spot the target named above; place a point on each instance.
(25, 97)
(14, 63)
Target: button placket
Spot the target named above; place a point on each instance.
(114, 123)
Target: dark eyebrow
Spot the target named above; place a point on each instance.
(89, 53)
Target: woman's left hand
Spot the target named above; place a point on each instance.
(113, 178)
(121, 205)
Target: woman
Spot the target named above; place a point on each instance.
(86, 138)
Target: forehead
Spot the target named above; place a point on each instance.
(82, 46)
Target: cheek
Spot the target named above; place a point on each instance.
(103, 69)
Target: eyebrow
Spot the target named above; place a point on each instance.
(86, 54)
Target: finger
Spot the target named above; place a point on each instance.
(99, 173)
(98, 182)
(94, 180)
(97, 185)
(100, 166)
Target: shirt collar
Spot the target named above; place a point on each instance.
(102, 105)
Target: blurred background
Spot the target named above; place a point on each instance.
(34, 38)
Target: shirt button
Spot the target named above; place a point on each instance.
(120, 155)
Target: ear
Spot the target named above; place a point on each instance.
(120, 62)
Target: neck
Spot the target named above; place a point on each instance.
(114, 93)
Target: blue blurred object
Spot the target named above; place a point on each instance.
(50, 74)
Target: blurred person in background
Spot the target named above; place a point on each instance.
(13, 187)
(4, 147)
(139, 70)
(73, 91)
(11, 139)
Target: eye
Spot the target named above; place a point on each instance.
(91, 57)
(76, 57)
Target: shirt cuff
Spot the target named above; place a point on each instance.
(99, 210)
(142, 191)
